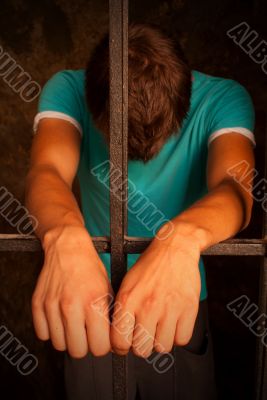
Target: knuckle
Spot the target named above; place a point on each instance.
(191, 299)
(123, 299)
(66, 304)
(150, 302)
(49, 303)
(173, 298)
(36, 302)
(100, 303)
(123, 323)
(91, 305)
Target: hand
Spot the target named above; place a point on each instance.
(157, 304)
(72, 278)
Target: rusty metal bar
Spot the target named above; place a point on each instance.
(118, 62)
(30, 243)
(261, 351)
(230, 247)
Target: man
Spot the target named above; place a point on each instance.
(186, 130)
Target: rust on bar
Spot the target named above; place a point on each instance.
(118, 64)
(230, 247)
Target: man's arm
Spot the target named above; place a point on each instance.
(73, 275)
(161, 291)
(53, 165)
(226, 209)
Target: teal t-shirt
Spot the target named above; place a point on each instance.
(162, 188)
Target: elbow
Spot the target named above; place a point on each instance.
(246, 223)
(247, 204)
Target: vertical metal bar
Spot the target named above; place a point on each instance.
(118, 47)
(125, 112)
(261, 354)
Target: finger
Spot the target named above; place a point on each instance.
(55, 324)
(144, 334)
(165, 332)
(98, 330)
(38, 310)
(122, 327)
(39, 318)
(75, 331)
(185, 326)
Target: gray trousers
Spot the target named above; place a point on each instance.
(189, 375)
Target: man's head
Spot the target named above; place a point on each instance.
(159, 86)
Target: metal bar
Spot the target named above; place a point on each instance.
(125, 113)
(261, 351)
(30, 243)
(118, 61)
(230, 247)
(118, 137)
(233, 247)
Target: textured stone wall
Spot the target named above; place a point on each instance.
(47, 36)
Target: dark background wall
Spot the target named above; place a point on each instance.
(50, 35)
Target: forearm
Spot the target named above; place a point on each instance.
(51, 201)
(219, 215)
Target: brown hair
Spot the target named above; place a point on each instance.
(159, 84)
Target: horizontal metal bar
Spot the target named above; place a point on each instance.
(30, 243)
(230, 247)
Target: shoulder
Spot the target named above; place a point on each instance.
(219, 86)
(63, 96)
(67, 79)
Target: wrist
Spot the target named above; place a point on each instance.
(185, 233)
(68, 235)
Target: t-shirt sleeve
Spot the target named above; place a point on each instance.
(60, 99)
(232, 110)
